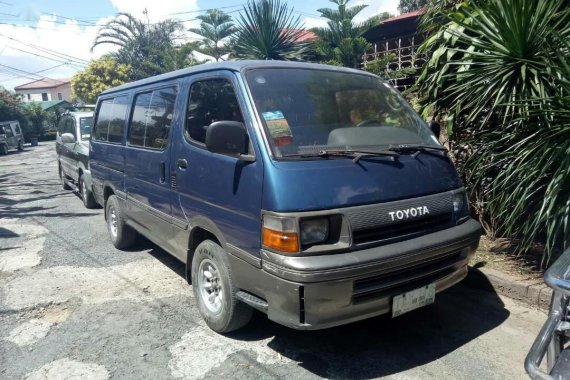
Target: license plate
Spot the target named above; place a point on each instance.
(413, 299)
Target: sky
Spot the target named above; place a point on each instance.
(53, 38)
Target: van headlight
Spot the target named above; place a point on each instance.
(458, 202)
(314, 231)
(460, 207)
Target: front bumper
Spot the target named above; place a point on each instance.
(315, 292)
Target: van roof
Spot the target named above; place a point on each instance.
(229, 65)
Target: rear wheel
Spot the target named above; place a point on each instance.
(214, 290)
(63, 179)
(3, 149)
(86, 194)
(122, 236)
(20, 145)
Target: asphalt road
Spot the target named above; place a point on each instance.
(73, 305)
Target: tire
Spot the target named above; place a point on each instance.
(63, 179)
(214, 290)
(3, 150)
(20, 145)
(86, 194)
(122, 236)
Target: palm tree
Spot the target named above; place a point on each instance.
(142, 45)
(267, 29)
(215, 27)
(341, 42)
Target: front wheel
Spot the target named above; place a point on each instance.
(122, 236)
(215, 291)
(86, 194)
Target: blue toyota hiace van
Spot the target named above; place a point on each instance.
(312, 193)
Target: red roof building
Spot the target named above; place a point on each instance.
(45, 89)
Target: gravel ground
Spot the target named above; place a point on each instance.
(72, 306)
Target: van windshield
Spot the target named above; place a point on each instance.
(85, 125)
(306, 111)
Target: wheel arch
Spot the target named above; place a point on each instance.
(202, 228)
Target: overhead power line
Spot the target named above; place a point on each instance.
(34, 76)
(48, 51)
(79, 65)
(13, 71)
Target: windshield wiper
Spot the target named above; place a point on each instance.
(357, 154)
(417, 148)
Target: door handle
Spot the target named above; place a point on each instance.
(182, 164)
(162, 172)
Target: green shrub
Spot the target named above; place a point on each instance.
(499, 74)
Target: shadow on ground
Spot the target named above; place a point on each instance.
(379, 346)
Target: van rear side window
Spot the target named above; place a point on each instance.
(111, 120)
(151, 118)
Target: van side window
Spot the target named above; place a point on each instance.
(18, 130)
(60, 126)
(151, 118)
(68, 126)
(111, 120)
(210, 100)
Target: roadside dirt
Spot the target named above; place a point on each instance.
(498, 254)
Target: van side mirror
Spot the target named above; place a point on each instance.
(435, 128)
(228, 137)
(67, 138)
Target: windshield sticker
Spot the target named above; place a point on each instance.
(278, 127)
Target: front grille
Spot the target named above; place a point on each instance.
(403, 280)
(400, 231)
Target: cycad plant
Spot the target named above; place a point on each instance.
(498, 72)
(268, 29)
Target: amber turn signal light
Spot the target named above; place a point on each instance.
(281, 241)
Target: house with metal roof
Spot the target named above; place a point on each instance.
(46, 89)
(398, 36)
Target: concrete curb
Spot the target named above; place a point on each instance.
(532, 292)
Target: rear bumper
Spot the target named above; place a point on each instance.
(316, 292)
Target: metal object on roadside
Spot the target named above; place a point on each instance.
(553, 340)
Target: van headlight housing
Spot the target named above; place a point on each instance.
(458, 202)
(314, 231)
(460, 207)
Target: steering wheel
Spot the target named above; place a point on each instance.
(368, 122)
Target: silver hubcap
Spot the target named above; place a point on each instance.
(210, 286)
(112, 221)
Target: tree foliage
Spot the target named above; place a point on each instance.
(37, 116)
(268, 29)
(498, 70)
(182, 56)
(407, 6)
(144, 46)
(97, 77)
(12, 108)
(216, 27)
(341, 41)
